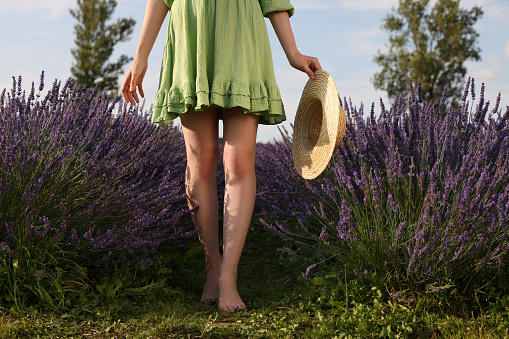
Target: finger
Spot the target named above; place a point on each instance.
(124, 89)
(314, 65)
(127, 96)
(135, 96)
(317, 65)
(140, 89)
(132, 84)
(309, 72)
(131, 99)
(132, 90)
(122, 92)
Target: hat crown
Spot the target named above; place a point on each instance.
(319, 126)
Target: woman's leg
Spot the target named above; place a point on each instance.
(239, 138)
(202, 148)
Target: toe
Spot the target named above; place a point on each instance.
(208, 300)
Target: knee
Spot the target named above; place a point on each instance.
(202, 162)
(239, 164)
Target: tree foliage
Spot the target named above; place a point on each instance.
(95, 42)
(428, 46)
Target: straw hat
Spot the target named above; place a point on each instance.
(319, 126)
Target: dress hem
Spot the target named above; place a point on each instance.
(260, 100)
(165, 114)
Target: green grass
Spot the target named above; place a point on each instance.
(279, 306)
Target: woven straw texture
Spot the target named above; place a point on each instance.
(319, 126)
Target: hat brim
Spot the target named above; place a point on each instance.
(319, 126)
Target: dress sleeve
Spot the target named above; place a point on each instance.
(274, 6)
(168, 3)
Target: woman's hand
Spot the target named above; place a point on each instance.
(154, 16)
(133, 81)
(306, 64)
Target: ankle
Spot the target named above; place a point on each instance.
(228, 280)
(228, 270)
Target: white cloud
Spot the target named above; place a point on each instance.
(472, 3)
(345, 4)
(506, 51)
(485, 74)
(495, 62)
(368, 4)
(49, 9)
(5, 85)
(314, 4)
(497, 10)
(370, 33)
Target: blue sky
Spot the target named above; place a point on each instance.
(343, 34)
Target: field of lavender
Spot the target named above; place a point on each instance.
(81, 189)
(414, 201)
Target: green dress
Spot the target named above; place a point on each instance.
(217, 54)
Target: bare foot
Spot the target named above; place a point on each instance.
(211, 288)
(229, 298)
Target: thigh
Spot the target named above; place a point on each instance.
(239, 129)
(201, 132)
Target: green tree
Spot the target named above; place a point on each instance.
(428, 46)
(95, 41)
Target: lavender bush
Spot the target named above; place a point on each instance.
(79, 186)
(418, 197)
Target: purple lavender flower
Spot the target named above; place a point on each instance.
(400, 229)
(287, 250)
(308, 270)
(6, 248)
(396, 295)
(324, 235)
(472, 90)
(393, 205)
(41, 276)
(445, 168)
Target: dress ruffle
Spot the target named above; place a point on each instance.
(260, 100)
